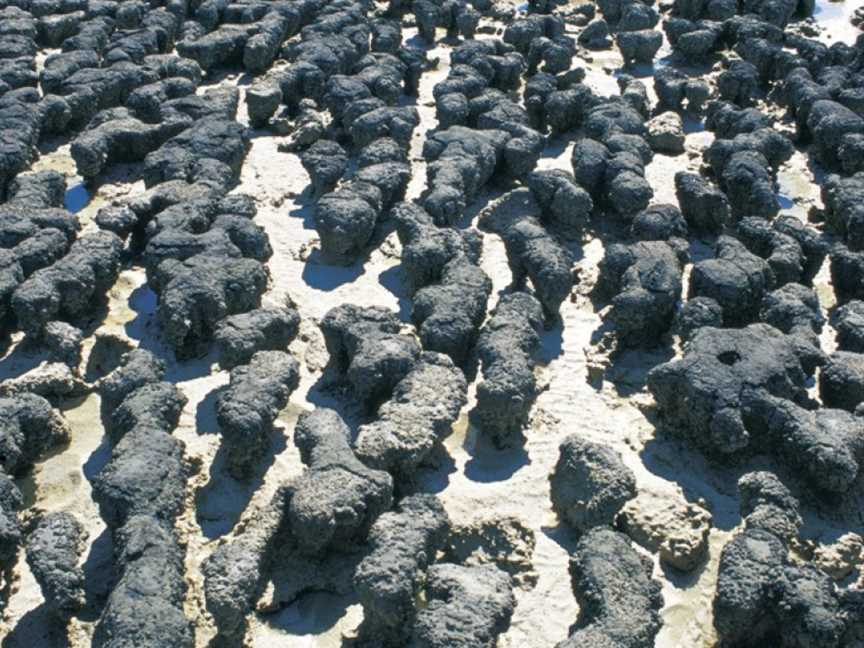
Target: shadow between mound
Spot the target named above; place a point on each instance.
(556, 145)
(628, 368)
(322, 276)
(77, 198)
(40, 628)
(312, 613)
(205, 413)
(563, 536)
(143, 302)
(305, 208)
(391, 279)
(489, 463)
(222, 500)
(551, 343)
(146, 331)
(98, 459)
(24, 358)
(105, 357)
(434, 476)
(330, 392)
(99, 577)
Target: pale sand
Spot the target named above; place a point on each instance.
(498, 483)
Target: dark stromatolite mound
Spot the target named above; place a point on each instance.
(737, 391)
(793, 251)
(197, 293)
(11, 501)
(761, 594)
(508, 389)
(565, 205)
(29, 429)
(619, 601)
(590, 484)
(703, 205)
(420, 413)
(137, 368)
(532, 252)
(366, 346)
(849, 325)
(71, 287)
(247, 407)
(145, 608)
(467, 606)
(841, 380)
(440, 265)
(403, 546)
(240, 336)
(235, 572)
(736, 278)
(336, 500)
(428, 248)
(644, 282)
(54, 550)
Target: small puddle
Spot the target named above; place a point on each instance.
(834, 19)
(828, 10)
(785, 202)
(76, 198)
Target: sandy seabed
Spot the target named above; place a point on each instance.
(480, 482)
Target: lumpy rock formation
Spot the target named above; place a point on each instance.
(431, 323)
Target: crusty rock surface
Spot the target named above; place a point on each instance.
(365, 344)
(532, 252)
(644, 279)
(508, 248)
(265, 329)
(54, 550)
(508, 389)
(763, 595)
(235, 572)
(403, 544)
(505, 542)
(736, 391)
(420, 413)
(677, 531)
(29, 429)
(11, 501)
(590, 484)
(842, 557)
(619, 602)
(337, 499)
(246, 409)
(145, 607)
(841, 380)
(467, 606)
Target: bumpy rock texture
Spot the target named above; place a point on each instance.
(404, 544)
(247, 408)
(761, 594)
(467, 606)
(54, 550)
(737, 391)
(338, 498)
(619, 601)
(590, 484)
(677, 531)
(618, 259)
